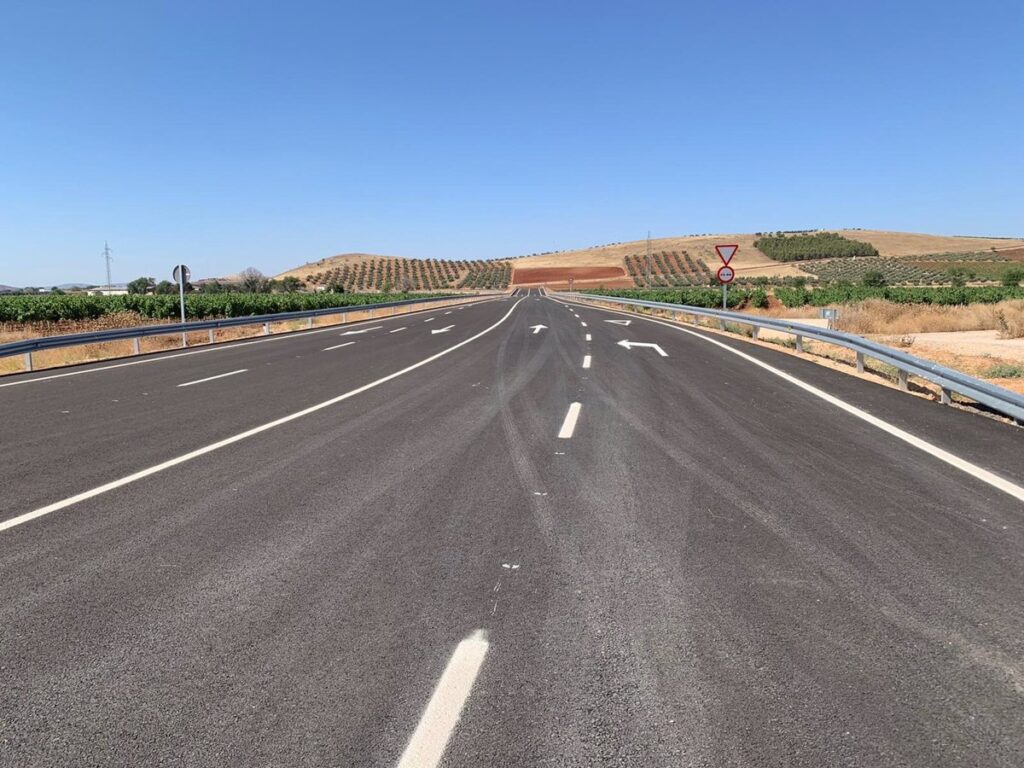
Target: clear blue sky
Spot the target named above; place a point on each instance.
(271, 133)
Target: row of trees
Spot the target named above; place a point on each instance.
(252, 281)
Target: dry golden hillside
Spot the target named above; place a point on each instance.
(748, 262)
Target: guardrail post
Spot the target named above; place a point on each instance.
(721, 324)
(860, 362)
(135, 346)
(266, 329)
(799, 343)
(945, 396)
(210, 335)
(28, 361)
(753, 332)
(903, 379)
(309, 322)
(371, 314)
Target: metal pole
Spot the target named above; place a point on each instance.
(725, 298)
(181, 299)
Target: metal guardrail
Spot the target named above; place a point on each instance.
(949, 381)
(27, 346)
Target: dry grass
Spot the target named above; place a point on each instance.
(877, 316)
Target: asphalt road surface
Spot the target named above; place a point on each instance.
(496, 536)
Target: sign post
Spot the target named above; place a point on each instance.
(726, 274)
(181, 276)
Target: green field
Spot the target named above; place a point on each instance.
(821, 297)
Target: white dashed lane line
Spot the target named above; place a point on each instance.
(569, 424)
(211, 378)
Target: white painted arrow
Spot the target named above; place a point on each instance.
(361, 330)
(537, 328)
(442, 330)
(619, 322)
(631, 344)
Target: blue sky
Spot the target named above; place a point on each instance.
(269, 134)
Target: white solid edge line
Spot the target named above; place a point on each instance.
(569, 424)
(211, 378)
(338, 346)
(428, 742)
(586, 361)
(157, 357)
(979, 473)
(144, 473)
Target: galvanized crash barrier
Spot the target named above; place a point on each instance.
(27, 347)
(948, 380)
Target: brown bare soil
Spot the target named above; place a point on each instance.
(545, 275)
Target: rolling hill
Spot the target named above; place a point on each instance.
(680, 260)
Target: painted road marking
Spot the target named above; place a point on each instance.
(445, 329)
(569, 425)
(583, 324)
(588, 337)
(338, 346)
(430, 319)
(208, 348)
(211, 378)
(398, 329)
(537, 328)
(979, 473)
(428, 742)
(361, 330)
(149, 471)
(586, 361)
(630, 344)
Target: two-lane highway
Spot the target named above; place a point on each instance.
(515, 542)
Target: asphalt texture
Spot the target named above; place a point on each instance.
(716, 569)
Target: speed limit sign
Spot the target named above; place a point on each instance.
(726, 274)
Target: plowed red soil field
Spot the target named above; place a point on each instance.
(562, 274)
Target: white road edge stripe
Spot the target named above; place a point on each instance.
(586, 361)
(569, 425)
(963, 465)
(429, 740)
(338, 346)
(211, 378)
(144, 473)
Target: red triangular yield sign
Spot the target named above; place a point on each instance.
(726, 252)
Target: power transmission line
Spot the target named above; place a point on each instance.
(106, 254)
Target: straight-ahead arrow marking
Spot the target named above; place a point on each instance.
(442, 330)
(619, 322)
(631, 344)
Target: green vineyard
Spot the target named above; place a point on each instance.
(25, 309)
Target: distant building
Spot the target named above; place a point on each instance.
(109, 290)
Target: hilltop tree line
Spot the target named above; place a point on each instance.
(819, 245)
(252, 281)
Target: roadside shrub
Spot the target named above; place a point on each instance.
(1004, 371)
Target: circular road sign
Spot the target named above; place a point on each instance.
(177, 273)
(726, 274)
